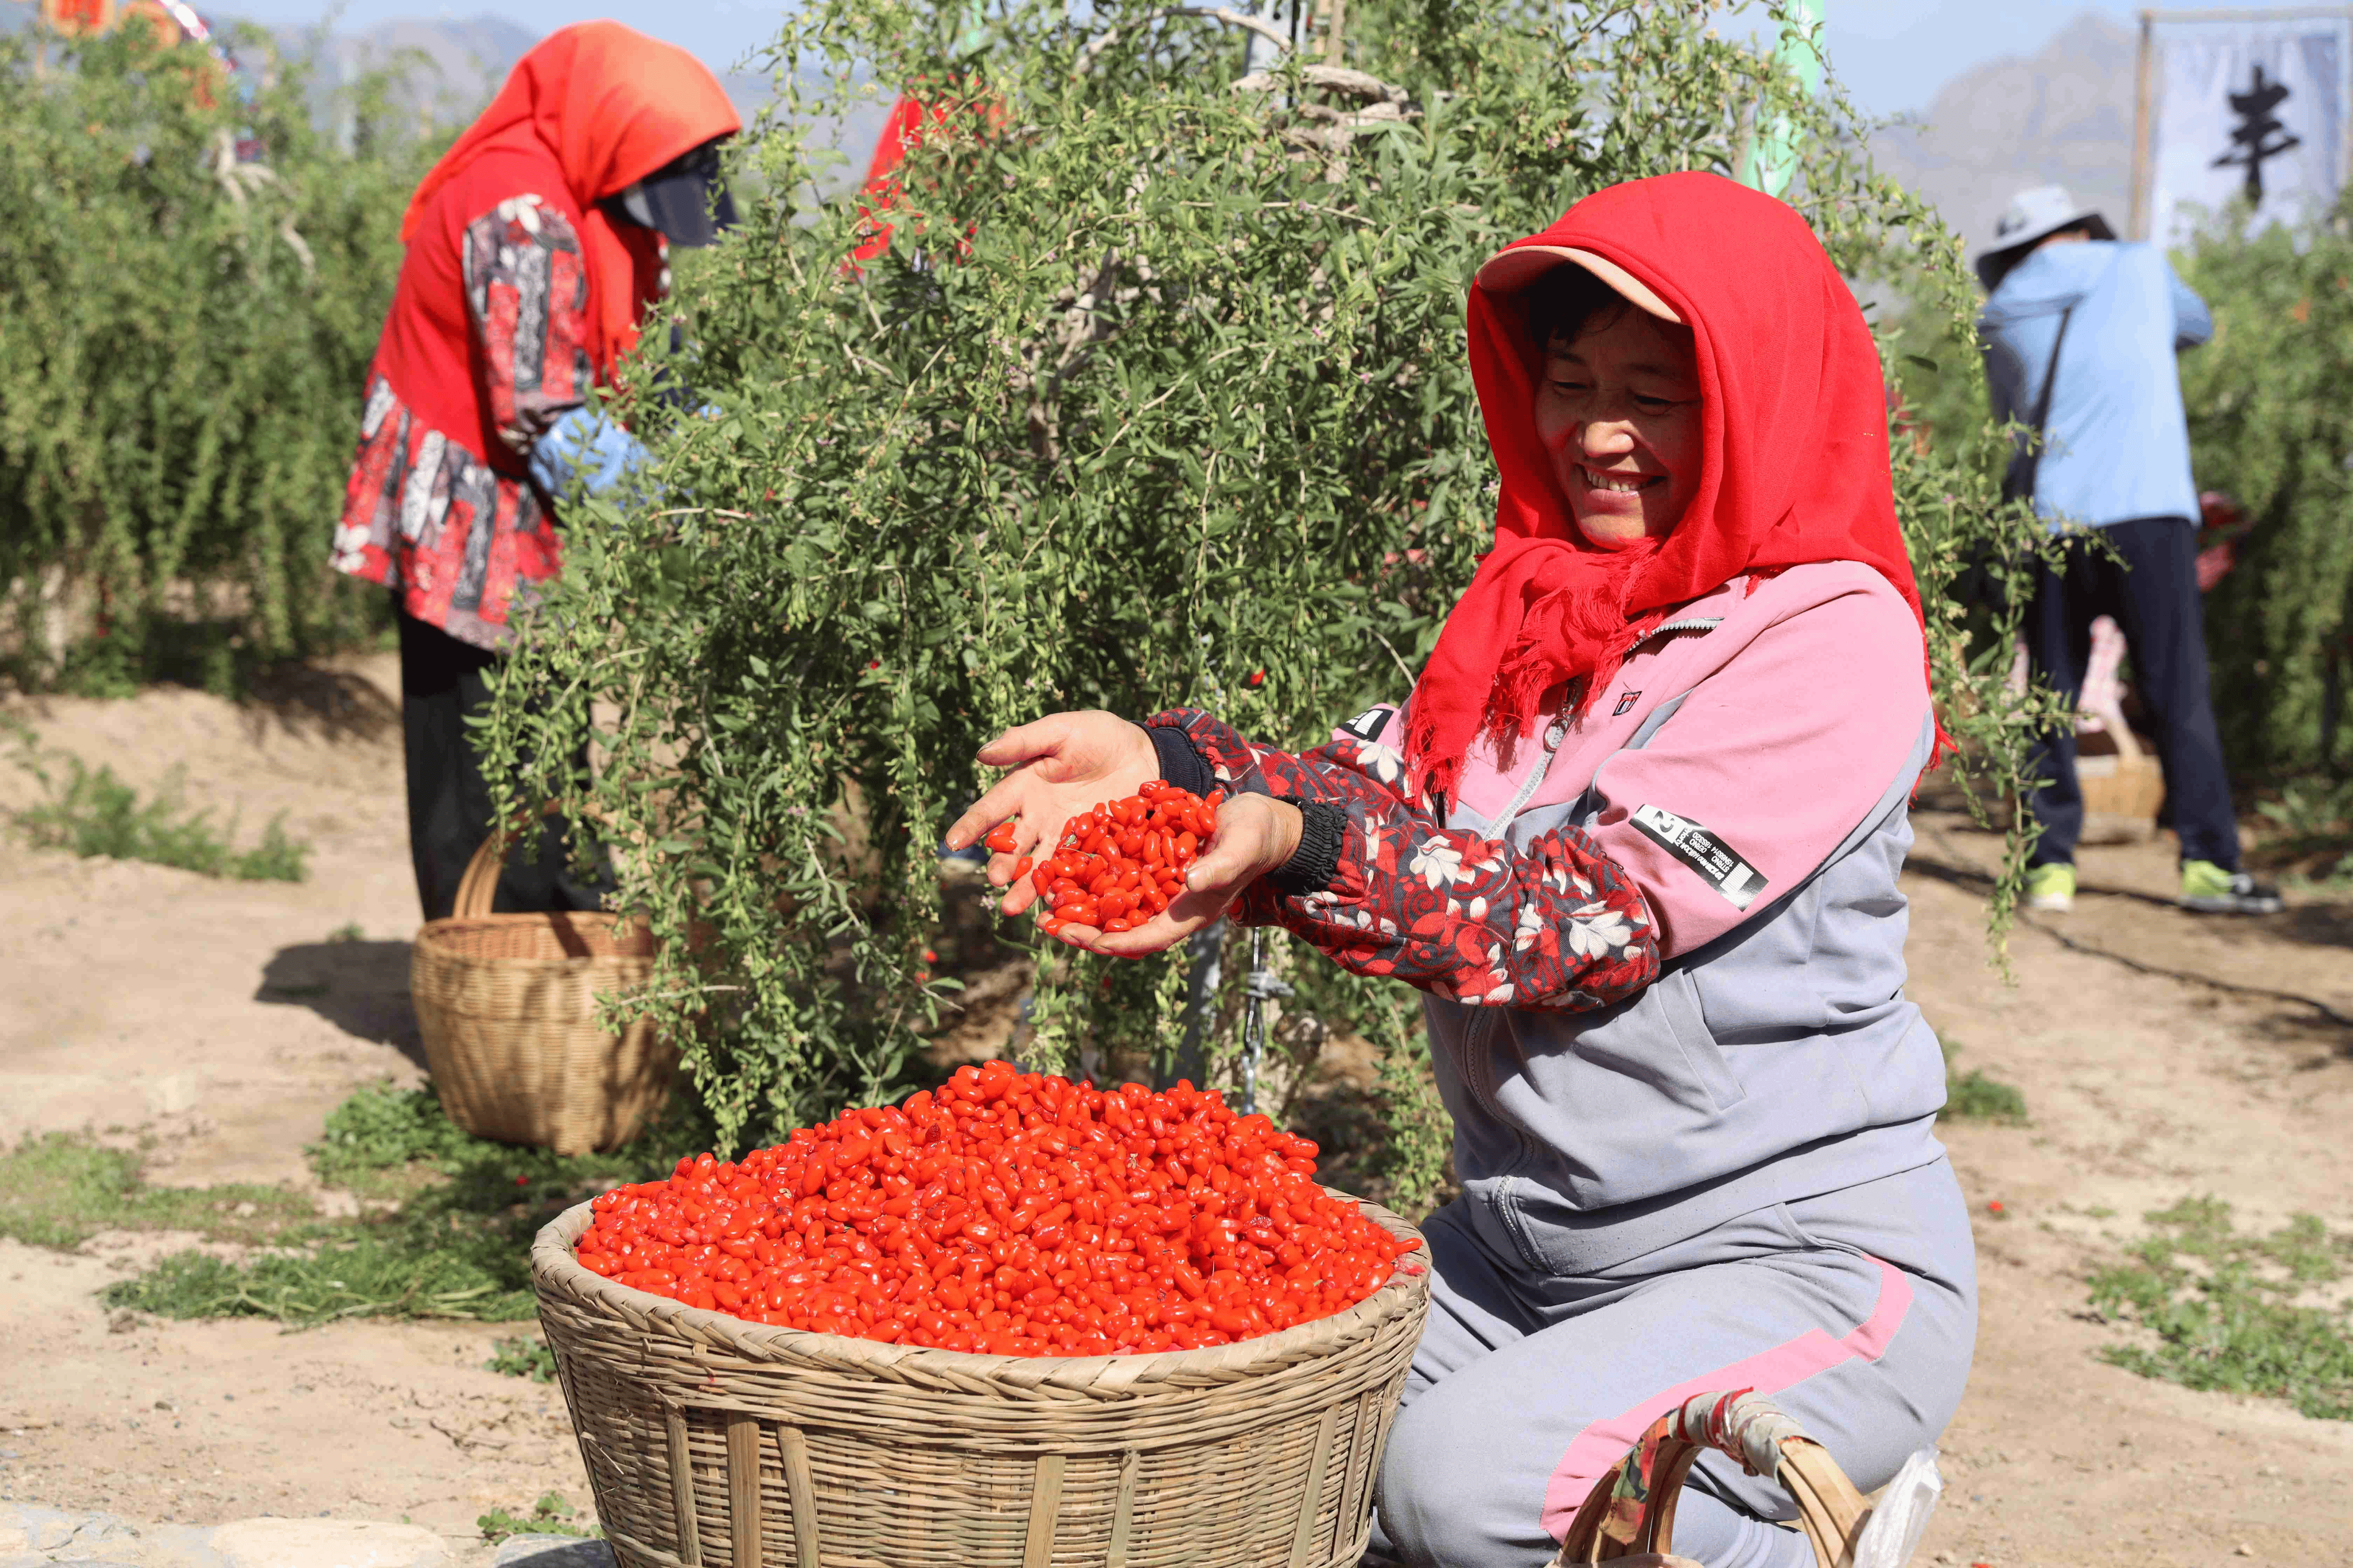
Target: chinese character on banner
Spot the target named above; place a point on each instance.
(2259, 133)
(2251, 112)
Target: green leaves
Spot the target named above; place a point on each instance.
(2269, 427)
(179, 379)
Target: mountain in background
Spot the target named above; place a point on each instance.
(2060, 116)
(449, 67)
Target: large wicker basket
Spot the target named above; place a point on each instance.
(715, 1443)
(507, 1004)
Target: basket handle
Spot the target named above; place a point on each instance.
(478, 888)
(1632, 1513)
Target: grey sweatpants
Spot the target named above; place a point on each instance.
(1856, 1312)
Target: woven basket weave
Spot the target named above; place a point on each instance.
(715, 1443)
(507, 1004)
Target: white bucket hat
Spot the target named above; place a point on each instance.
(2034, 215)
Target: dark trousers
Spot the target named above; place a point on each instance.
(2152, 594)
(441, 683)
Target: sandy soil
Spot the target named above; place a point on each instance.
(2161, 1056)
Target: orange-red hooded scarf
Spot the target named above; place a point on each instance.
(592, 109)
(1794, 422)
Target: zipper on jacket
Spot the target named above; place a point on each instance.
(1554, 733)
(1479, 1073)
(1672, 629)
(1478, 1057)
(1483, 1082)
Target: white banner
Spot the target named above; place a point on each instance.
(2254, 114)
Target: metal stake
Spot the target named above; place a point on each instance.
(1262, 985)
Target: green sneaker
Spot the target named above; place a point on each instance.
(2050, 887)
(2208, 889)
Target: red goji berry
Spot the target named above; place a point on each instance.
(930, 1223)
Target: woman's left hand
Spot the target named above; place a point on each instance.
(1256, 834)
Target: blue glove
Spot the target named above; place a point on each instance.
(585, 445)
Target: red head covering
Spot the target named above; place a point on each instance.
(1794, 451)
(602, 106)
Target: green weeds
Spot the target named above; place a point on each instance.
(436, 1265)
(2312, 827)
(1973, 1097)
(58, 1190)
(92, 812)
(450, 1239)
(382, 1140)
(551, 1515)
(2236, 1312)
(520, 1355)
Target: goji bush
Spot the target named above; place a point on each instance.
(183, 337)
(1157, 396)
(2268, 427)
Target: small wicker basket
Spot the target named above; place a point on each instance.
(714, 1443)
(507, 1004)
(2122, 786)
(1630, 1517)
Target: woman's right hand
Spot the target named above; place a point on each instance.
(1062, 765)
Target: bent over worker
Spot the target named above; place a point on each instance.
(536, 248)
(1635, 835)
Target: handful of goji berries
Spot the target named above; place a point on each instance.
(1123, 863)
(1008, 1213)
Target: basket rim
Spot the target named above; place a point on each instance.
(608, 918)
(441, 939)
(1404, 1292)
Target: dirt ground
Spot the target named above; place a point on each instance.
(2161, 1056)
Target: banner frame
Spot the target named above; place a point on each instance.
(2143, 73)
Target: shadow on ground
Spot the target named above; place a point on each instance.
(336, 704)
(361, 987)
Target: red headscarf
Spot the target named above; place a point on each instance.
(1794, 451)
(598, 107)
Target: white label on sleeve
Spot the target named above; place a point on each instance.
(1703, 852)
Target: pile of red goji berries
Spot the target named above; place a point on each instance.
(1012, 1214)
(1121, 862)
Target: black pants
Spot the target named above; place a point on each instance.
(2152, 594)
(442, 682)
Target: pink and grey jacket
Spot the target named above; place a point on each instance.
(1663, 946)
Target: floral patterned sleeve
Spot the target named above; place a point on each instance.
(527, 291)
(1383, 888)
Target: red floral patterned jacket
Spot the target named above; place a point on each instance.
(1384, 887)
(459, 533)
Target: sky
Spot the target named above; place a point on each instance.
(1893, 54)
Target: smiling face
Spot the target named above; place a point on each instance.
(1619, 414)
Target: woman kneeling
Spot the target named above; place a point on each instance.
(1635, 833)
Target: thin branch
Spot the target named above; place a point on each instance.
(1267, 30)
(1334, 78)
(1400, 661)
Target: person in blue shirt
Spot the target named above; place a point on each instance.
(2080, 332)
